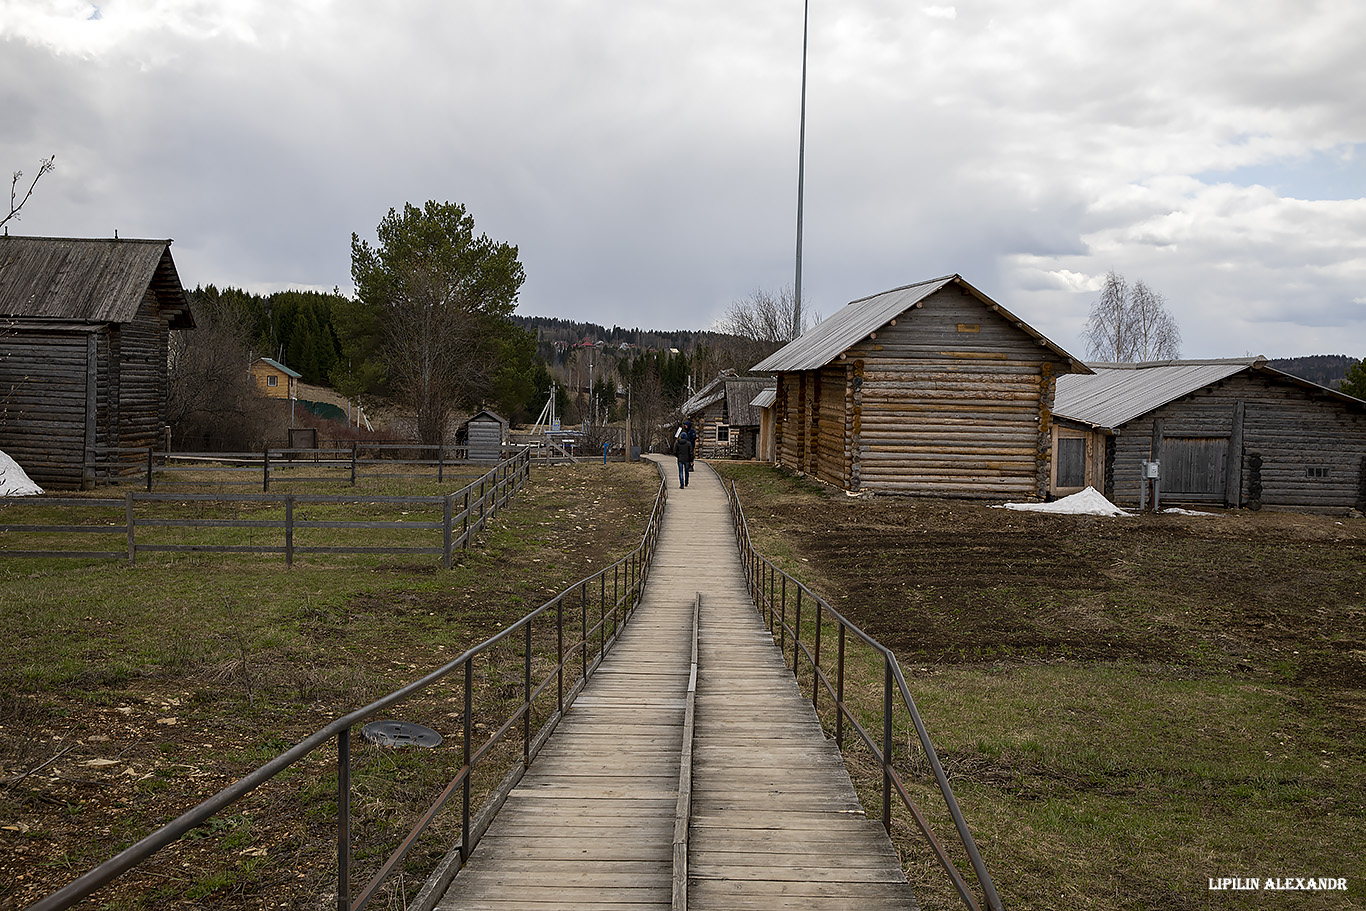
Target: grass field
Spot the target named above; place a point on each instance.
(129, 694)
(1126, 708)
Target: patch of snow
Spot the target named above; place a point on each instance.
(1089, 502)
(1186, 512)
(14, 481)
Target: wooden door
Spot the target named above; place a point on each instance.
(1193, 468)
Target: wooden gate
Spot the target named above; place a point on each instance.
(1193, 468)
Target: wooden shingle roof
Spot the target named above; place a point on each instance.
(89, 280)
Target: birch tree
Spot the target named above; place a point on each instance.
(1130, 323)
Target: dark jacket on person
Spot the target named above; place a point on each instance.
(683, 448)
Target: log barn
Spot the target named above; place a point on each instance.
(84, 329)
(931, 389)
(726, 422)
(1230, 432)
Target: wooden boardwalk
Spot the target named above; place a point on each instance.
(774, 822)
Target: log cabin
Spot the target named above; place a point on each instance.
(726, 422)
(84, 333)
(930, 389)
(1231, 432)
(275, 380)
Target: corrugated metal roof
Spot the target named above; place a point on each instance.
(88, 279)
(830, 338)
(1117, 393)
(765, 399)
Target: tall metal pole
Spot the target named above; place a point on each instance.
(801, 181)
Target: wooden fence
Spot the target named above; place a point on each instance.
(458, 516)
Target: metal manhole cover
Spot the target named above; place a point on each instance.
(400, 734)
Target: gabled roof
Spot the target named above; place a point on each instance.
(740, 394)
(280, 367)
(89, 280)
(1118, 393)
(852, 323)
(709, 394)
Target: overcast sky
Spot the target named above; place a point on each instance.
(642, 154)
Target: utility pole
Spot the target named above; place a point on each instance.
(801, 181)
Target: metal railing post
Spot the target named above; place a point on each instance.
(583, 630)
(816, 664)
(559, 654)
(887, 743)
(344, 820)
(797, 638)
(465, 751)
(526, 697)
(839, 692)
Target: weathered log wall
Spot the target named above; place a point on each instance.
(951, 399)
(1310, 448)
(69, 394)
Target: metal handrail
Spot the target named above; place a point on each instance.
(627, 579)
(768, 587)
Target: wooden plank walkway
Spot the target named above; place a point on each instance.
(775, 823)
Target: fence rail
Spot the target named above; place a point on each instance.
(782, 612)
(347, 463)
(583, 621)
(458, 516)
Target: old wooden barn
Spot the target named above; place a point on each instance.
(726, 422)
(84, 330)
(1233, 432)
(931, 389)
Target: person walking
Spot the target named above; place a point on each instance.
(684, 450)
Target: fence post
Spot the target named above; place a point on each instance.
(440, 463)
(353, 463)
(289, 530)
(265, 471)
(128, 519)
(344, 820)
(149, 469)
(446, 531)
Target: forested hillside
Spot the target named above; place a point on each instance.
(1324, 369)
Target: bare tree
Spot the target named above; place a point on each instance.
(211, 400)
(762, 323)
(15, 202)
(1130, 323)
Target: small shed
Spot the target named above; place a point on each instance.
(1233, 432)
(931, 389)
(726, 421)
(484, 435)
(274, 379)
(84, 332)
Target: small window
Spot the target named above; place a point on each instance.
(1316, 471)
(272, 381)
(723, 433)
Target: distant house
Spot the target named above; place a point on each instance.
(84, 331)
(1233, 432)
(766, 449)
(931, 389)
(726, 423)
(484, 434)
(274, 379)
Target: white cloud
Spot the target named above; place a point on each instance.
(643, 156)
